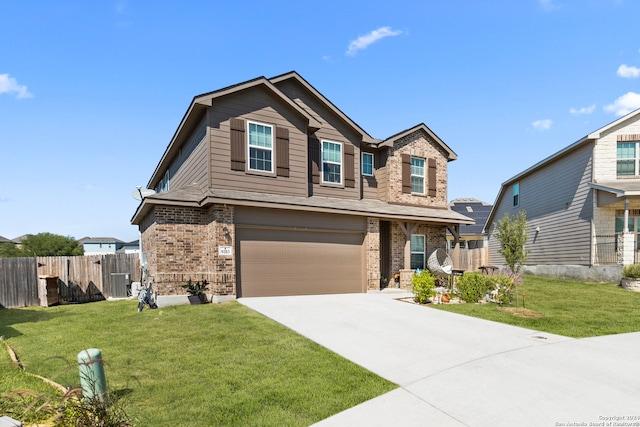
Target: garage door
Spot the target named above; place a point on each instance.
(274, 262)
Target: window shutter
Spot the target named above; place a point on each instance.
(432, 177)
(238, 144)
(282, 151)
(349, 166)
(406, 173)
(314, 159)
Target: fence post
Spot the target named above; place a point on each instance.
(92, 379)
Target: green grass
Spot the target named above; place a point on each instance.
(569, 308)
(215, 364)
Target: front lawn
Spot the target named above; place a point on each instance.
(216, 364)
(564, 307)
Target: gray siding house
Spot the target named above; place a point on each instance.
(577, 200)
(267, 188)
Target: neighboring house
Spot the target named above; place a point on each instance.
(267, 188)
(5, 240)
(576, 200)
(100, 245)
(18, 240)
(472, 236)
(131, 247)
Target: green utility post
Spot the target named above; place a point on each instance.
(92, 379)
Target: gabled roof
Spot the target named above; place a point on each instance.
(590, 138)
(99, 240)
(200, 103)
(292, 75)
(5, 240)
(451, 155)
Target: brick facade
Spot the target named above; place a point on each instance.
(178, 244)
(417, 144)
(373, 254)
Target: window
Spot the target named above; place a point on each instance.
(516, 194)
(627, 159)
(417, 175)
(331, 162)
(417, 251)
(367, 164)
(260, 147)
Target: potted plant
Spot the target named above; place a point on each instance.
(631, 277)
(197, 291)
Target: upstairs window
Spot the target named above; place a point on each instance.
(417, 251)
(331, 162)
(627, 159)
(367, 164)
(417, 175)
(516, 194)
(260, 147)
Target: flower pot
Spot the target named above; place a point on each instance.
(195, 299)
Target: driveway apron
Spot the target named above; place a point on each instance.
(455, 370)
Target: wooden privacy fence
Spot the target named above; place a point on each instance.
(468, 259)
(79, 278)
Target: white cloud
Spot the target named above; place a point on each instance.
(363, 42)
(542, 125)
(628, 72)
(549, 5)
(583, 110)
(10, 85)
(625, 104)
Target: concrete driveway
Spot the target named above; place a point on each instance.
(456, 370)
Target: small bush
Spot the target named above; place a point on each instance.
(503, 284)
(473, 287)
(632, 271)
(422, 285)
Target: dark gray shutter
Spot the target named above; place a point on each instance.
(238, 143)
(314, 159)
(349, 166)
(282, 151)
(406, 173)
(432, 177)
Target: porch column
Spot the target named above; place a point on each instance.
(407, 228)
(626, 247)
(626, 216)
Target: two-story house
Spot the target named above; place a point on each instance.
(267, 188)
(100, 245)
(582, 203)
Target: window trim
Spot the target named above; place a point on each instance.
(423, 176)
(516, 193)
(256, 147)
(372, 163)
(636, 159)
(322, 162)
(423, 252)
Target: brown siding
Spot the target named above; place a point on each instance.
(193, 170)
(314, 160)
(333, 129)
(259, 105)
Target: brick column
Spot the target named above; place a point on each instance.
(626, 247)
(373, 254)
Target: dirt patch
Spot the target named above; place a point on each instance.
(520, 312)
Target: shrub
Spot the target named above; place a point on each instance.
(422, 285)
(632, 271)
(473, 287)
(503, 284)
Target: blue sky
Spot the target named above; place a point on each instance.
(91, 92)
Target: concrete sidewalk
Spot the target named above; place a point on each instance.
(456, 370)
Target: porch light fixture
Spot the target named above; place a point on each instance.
(225, 230)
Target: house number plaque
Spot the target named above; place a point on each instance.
(224, 251)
